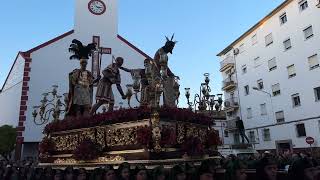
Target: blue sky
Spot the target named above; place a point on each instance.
(203, 28)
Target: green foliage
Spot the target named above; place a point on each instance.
(7, 140)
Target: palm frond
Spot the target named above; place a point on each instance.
(74, 50)
(77, 42)
(75, 56)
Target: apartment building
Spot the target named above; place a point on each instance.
(272, 79)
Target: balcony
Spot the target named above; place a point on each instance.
(227, 64)
(231, 125)
(231, 104)
(228, 84)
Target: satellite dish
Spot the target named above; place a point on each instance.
(236, 51)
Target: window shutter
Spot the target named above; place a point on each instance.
(268, 39)
(291, 70)
(313, 61)
(272, 63)
(254, 39)
(280, 115)
(275, 87)
(308, 32)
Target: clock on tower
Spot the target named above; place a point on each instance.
(97, 7)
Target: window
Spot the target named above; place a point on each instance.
(303, 5)
(280, 116)
(226, 133)
(263, 109)
(257, 61)
(276, 89)
(268, 39)
(317, 93)
(301, 130)
(291, 71)
(308, 32)
(244, 69)
(249, 113)
(266, 135)
(246, 90)
(287, 44)
(241, 48)
(295, 100)
(252, 137)
(313, 61)
(272, 64)
(283, 18)
(254, 39)
(260, 84)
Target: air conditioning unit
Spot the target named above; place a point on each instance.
(236, 51)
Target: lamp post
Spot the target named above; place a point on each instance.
(204, 100)
(50, 105)
(270, 96)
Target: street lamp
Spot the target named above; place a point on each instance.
(204, 99)
(257, 89)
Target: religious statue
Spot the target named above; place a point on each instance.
(80, 81)
(141, 83)
(104, 94)
(161, 69)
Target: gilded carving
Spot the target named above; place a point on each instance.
(156, 131)
(121, 136)
(101, 137)
(180, 133)
(87, 134)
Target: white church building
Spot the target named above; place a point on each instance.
(36, 70)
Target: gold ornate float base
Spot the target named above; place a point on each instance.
(126, 142)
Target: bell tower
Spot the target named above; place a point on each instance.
(96, 17)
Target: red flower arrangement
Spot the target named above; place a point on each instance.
(87, 150)
(47, 146)
(168, 136)
(193, 147)
(213, 138)
(126, 115)
(144, 136)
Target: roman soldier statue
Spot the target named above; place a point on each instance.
(80, 81)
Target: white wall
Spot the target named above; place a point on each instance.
(303, 83)
(87, 24)
(11, 94)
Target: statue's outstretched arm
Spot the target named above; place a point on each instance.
(125, 69)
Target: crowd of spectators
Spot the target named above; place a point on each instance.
(297, 166)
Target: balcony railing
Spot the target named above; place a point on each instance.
(228, 83)
(226, 63)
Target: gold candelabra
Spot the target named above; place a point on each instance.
(51, 105)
